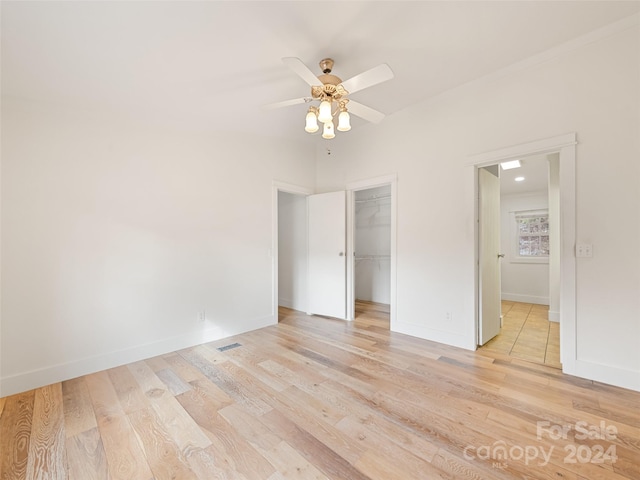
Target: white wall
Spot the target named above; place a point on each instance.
(592, 91)
(373, 245)
(292, 251)
(521, 282)
(114, 237)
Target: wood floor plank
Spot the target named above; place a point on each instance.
(292, 465)
(78, 410)
(228, 446)
(164, 457)
(323, 431)
(231, 445)
(372, 440)
(216, 373)
(127, 389)
(149, 382)
(103, 397)
(15, 429)
(157, 363)
(182, 428)
(327, 459)
(173, 382)
(125, 457)
(288, 462)
(86, 456)
(47, 458)
(186, 371)
(390, 431)
(251, 428)
(206, 466)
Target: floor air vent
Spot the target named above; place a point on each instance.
(229, 347)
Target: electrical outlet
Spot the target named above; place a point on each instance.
(202, 316)
(584, 250)
(447, 316)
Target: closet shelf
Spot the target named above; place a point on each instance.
(373, 257)
(374, 198)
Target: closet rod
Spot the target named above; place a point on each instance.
(374, 198)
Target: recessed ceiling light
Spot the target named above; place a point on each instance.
(511, 164)
(519, 179)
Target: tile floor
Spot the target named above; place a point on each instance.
(527, 334)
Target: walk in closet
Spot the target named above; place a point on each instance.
(373, 244)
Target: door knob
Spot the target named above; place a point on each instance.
(341, 254)
(501, 255)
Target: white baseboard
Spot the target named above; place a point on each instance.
(610, 375)
(292, 304)
(517, 297)
(22, 382)
(285, 302)
(554, 316)
(466, 342)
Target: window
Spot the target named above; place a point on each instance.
(532, 236)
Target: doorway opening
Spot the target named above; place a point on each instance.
(533, 300)
(289, 248)
(518, 217)
(314, 265)
(529, 328)
(371, 249)
(292, 251)
(372, 254)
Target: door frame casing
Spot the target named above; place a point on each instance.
(565, 146)
(351, 189)
(275, 188)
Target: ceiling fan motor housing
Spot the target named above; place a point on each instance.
(331, 85)
(326, 65)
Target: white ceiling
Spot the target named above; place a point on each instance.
(211, 65)
(535, 171)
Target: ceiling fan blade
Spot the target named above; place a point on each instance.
(367, 79)
(362, 111)
(295, 64)
(287, 103)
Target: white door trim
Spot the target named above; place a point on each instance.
(565, 146)
(351, 188)
(275, 188)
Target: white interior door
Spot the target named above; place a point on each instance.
(327, 269)
(489, 259)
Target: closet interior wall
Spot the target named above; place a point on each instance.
(373, 244)
(292, 251)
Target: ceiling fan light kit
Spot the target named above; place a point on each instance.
(327, 131)
(344, 121)
(332, 96)
(311, 125)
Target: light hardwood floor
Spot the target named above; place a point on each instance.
(527, 334)
(320, 398)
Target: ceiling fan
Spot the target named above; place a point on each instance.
(332, 94)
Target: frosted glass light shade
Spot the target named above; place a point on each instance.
(327, 131)
(344, 124)
(324, 112)
(311, 125)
